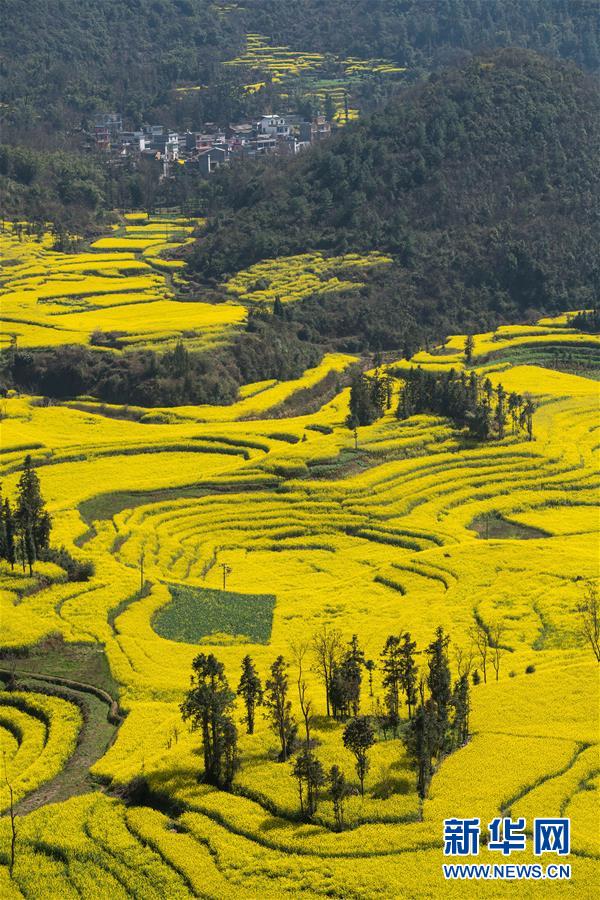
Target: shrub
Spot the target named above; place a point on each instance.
(77, 570)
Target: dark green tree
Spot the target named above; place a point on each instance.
(339, 790)
(500, 411)
(422, 740)
(514, 405)
(469, 347)
(408, 672)
(32, 520)
(391, 667)
(279, 708)
(367, 399)
(359, 737)
(346, 681)
(461, 706)
(439, 683)
(250, 689)
(526, 417)
(2, 528)
(208, 706)
(370, 667)
(9, 533)
(309, 773)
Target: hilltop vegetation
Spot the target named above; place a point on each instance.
(481, 183)
(184, 62)
(462, 204)
(62, 59)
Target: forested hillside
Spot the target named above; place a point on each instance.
(62, 59)
(481, 183)
(429, 32)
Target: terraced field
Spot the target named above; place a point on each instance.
(319, 76)
(295, 277)
(122, 287)
(372, 538)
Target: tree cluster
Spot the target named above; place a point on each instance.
(587, 320)
(208, 706)
(437, 720)
(440, 723)
(470, 401)
(370, 396)
(270, 348)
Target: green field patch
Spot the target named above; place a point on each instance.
(496, 526)
(205, 616)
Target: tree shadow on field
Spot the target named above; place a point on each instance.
(389, 784)
(325, 723)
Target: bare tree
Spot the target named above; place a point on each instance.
(464, 659)
(589, 617)
(495, 636)
(299, 652)
(327, 646)
(480, 639)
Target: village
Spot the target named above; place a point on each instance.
(204, 151)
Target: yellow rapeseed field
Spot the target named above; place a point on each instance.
(372, 534)
(49, 298)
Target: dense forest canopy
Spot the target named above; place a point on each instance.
(422, 33)
(481, 182)
(63, 59)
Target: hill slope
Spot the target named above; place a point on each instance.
(482, 183)
(62, 59)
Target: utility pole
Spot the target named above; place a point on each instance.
(227, 570)
(142, 556)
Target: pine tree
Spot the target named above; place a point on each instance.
(32, 520)
(346, 681)
(367, 399)
(309, 772)
(461, 707)
(2, 528)
(408, 672)
(391, 666)
(208, 705)
(9, 534)
(500, 411)
(370, 667)
(422, 740)
(250, 688)
(469, 347)
(514, 404)
(526, 418)
(439, 683)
